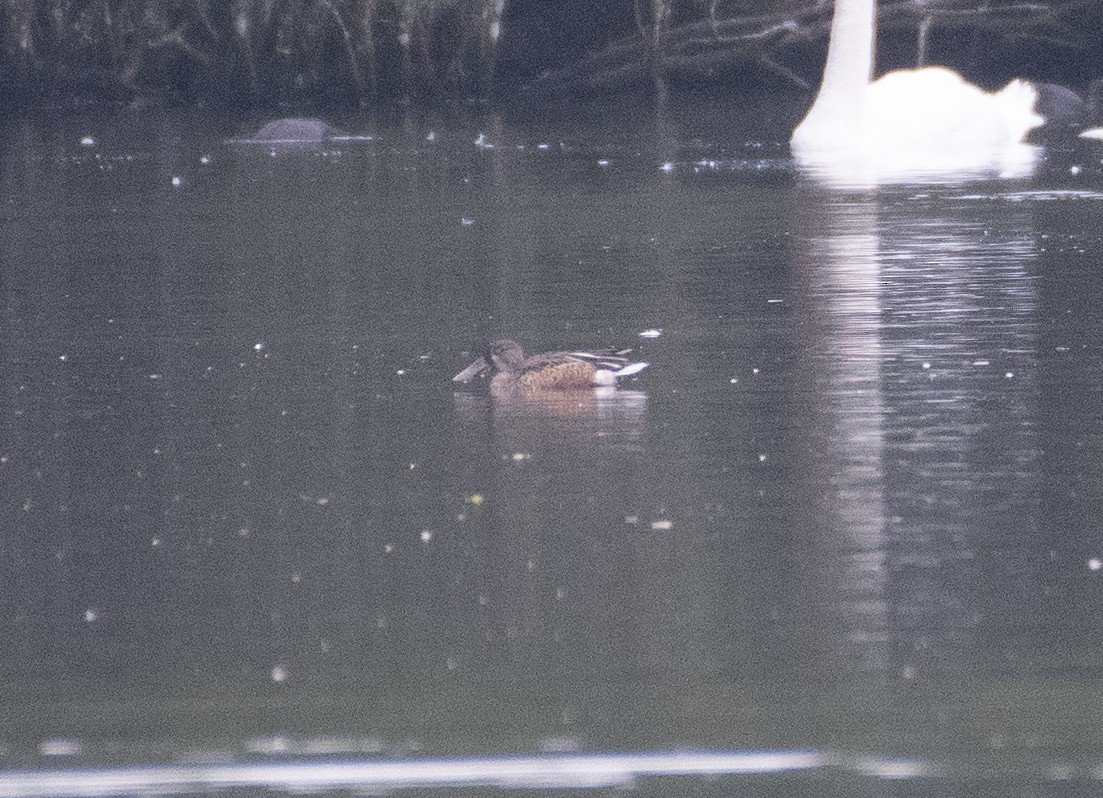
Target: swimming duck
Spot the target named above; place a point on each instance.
(507, 367)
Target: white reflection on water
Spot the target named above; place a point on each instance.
(1015, 162)
(1040, 195)
(920, 338)
(570, 771)
(961, 334)
(841, 288)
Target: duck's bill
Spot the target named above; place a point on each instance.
(476, 369)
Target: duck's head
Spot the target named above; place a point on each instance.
(500, 356)
(505, 355)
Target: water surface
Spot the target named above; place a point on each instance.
(851, 508)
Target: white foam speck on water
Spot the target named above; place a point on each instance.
(60, 746)
(277, 744)
(891, 769)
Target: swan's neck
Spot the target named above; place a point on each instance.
(849, 66)
(839, 106)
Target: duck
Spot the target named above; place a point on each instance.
(928, 119)
(1093, 111)
(507, 368)
(1068, 113)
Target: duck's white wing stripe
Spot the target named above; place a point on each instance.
(602, 360)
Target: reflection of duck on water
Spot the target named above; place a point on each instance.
(507, 368)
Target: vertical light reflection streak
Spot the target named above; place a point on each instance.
(839, 283)
(961, 352)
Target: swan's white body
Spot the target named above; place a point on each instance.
(908, 122)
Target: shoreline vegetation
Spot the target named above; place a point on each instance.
(363, 53)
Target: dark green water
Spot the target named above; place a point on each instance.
(852, 507)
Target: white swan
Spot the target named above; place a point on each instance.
(926, 121)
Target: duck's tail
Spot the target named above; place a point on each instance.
(630, 369)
